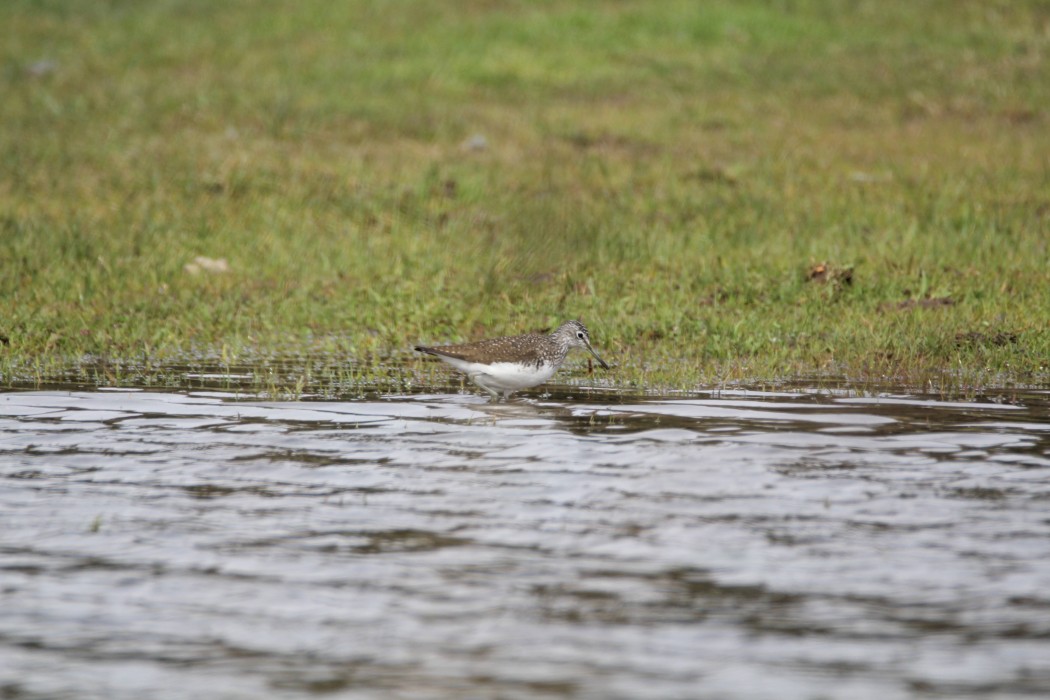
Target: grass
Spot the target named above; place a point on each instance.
(672, 173)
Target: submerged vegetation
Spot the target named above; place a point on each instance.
(725, 192)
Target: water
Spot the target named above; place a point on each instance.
(753, 545)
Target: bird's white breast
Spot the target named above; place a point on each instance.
(505, 376)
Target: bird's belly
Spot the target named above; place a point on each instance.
(511, 376)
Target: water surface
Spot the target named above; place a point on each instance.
(748, 545)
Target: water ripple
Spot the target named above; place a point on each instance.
(756, 546)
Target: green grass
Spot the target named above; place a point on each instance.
(667, 172)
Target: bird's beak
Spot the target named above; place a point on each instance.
(600, 360)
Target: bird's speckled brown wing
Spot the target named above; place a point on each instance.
(514, 348)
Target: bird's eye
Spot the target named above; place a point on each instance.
(579, 335)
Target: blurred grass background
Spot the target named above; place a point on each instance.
(674, 174)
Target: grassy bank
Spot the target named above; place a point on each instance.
(722, 191)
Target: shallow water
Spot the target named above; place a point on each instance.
(748, 545)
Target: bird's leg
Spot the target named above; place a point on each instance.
(480, 382)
